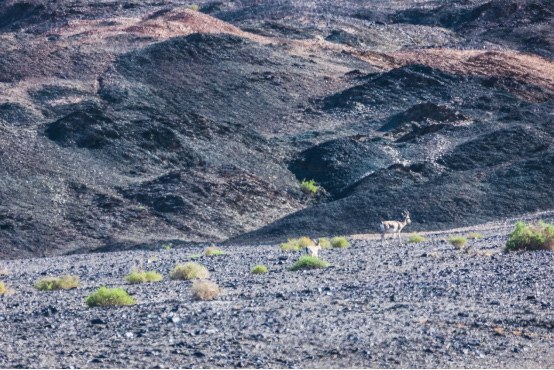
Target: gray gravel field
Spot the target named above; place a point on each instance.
(416, 305)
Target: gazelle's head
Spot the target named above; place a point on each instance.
(407, 219)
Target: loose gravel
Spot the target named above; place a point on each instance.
(417, 305)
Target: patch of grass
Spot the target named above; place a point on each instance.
(325, 243)
(189, 271)
(531, 237)
(458, 241)
(416, 238)
(308, 263)
(213, 252)
(4, 289)
(259, 269)
(309, 187)
(204, 290)
(474, 236)
(54, 283)
(104, 297)
(340, 242)
(139, 277)
(297, 244)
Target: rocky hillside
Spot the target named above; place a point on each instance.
(135, 123)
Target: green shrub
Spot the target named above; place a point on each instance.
(54, 283)
(308, 263)
(259, 269)
(138, 277)
(531, 237)
(297, 244)
(109, 297)
(474, 236)
(309, 187)
(416, 238)
(204, 290)
(4, 289)
(213, 251)
(325, 243)
(189, 271)
(340, 242)
(458, 241)
(167, 246)
(194, 7)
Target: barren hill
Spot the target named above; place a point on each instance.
(126, 124)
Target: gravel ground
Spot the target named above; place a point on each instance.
(417, 305)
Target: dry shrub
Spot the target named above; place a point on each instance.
(297, 244)
(4, 289)
(189, 271)
(204, 290)
(54, 283)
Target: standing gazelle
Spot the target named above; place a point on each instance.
(395, 227)
(313, 250)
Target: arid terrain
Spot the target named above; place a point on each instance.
(135, 133)
(126, 124)
(417, 305)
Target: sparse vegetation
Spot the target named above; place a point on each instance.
(194, 7)
(259, 269)
(189, 271)
(308, 263)
(205, 290)
(474, 236)
(297, 244)
(458, 241)
(104, 296)
(309, 187)
(416, 238)
(531, 237)
(167, 246)
(4, 289)
(139, 277)
(54, 283)
(340, 242)
(195, 256)
(213, 251)
(325, 243)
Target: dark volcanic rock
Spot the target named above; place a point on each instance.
(136, 123)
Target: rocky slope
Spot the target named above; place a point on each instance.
(136, 123)
(417, 305)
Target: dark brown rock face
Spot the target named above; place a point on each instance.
(133, 123)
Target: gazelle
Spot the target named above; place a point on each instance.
(395, 227)
(313, 250)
